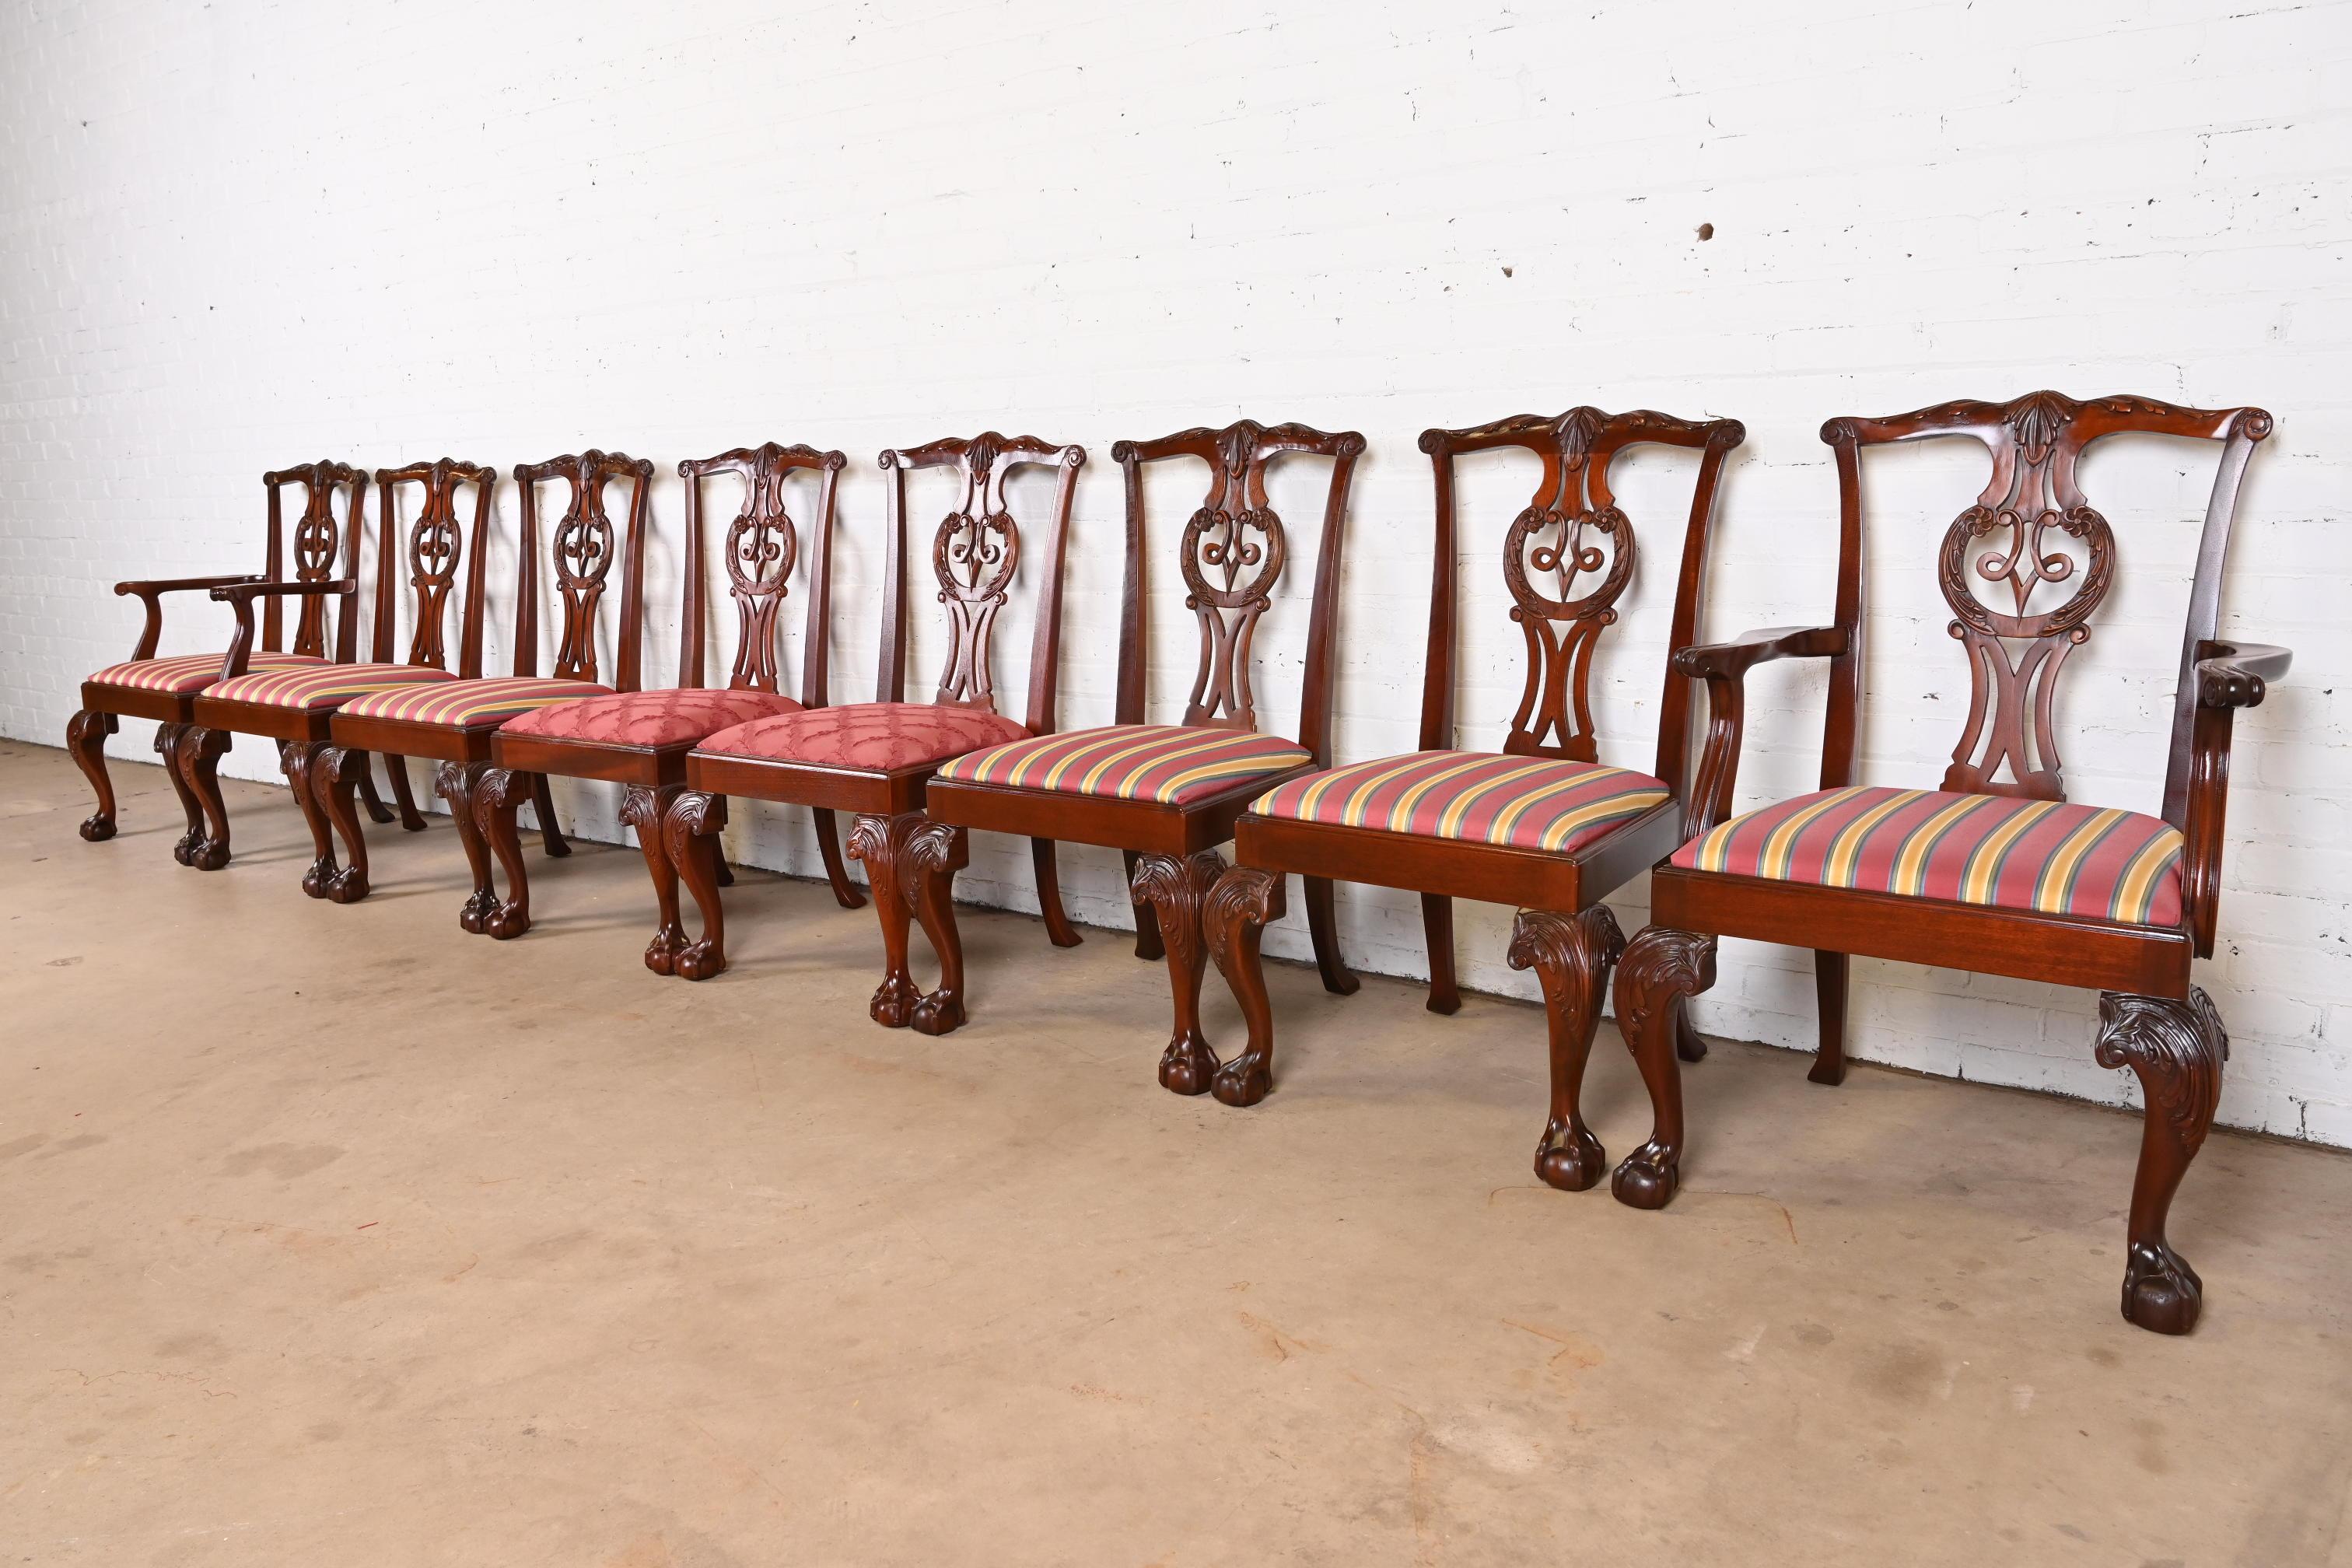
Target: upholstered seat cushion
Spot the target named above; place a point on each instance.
(1161, 762)
(316, 688)
(471, 704)
(1988, 849)
(874, 736)
(648, 718)
(1524, 802)
(184, 673)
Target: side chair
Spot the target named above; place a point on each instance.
(876, 758)
(165, 689)
(445, 722)
(1543, 824)
(1995, 871)
(1166, 794)
(640, 738)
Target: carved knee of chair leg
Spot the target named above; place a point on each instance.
(880, 842)
(1571, 955)
(689, 829)
(1177, 889)
(336, 774)
(86, 736)
(1233, 922)
(1661, 968)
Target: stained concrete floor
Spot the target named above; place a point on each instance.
(331, 1235)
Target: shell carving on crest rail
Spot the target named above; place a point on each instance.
(2027, 511)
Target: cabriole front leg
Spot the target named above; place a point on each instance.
(196, 752)
(2178, 1049)
(336, 776)
(643, 809)
(86, 735)
(498, 797)
(1233, 922)
(1571, 955)
(1662, 969)
(167, 746)
(934, 855)
(455, 782)
(691, 828)
(1177, 889)
(301, 760)
(881, 843)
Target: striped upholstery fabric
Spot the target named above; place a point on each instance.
(471, 704)
(1164, 762)
(189, 671)
(318, 687)
(1523, 802)
(1988, 849)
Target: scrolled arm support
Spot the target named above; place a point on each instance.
(2229, 676)
(1724, 667)
(240, 596)
(150, 593)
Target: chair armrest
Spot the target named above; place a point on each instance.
(1724, 667)
(151, 593)
(240, 596)
(2229, 676)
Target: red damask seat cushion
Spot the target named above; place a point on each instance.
(2042, 855)
(471, 704)
(873, 736)
(315, 688)
(184, 673)
(649, 718)
(1164, 763)
(1524, 802)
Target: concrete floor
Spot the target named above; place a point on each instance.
(331, 1235)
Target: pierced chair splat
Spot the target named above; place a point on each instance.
(875, 759)
(1542, 823)
(1167, 794)
(165, 688)
(1994, 870)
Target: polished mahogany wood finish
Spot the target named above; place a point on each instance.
(910, 862)
(1567, 559)
(2153, 1019)
(323, 536)
(1232, 558)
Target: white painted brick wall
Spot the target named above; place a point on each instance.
(241, 236)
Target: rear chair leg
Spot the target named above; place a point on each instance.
(643, 809)
(551, 842)
(496, 797)
(335, 774)
(1571, 955)
(1058, 928)
(86, 735)
(1233, 922)
(2178, 1049)
(828, 844)
(881, 843)
(1662, 968)
(934, 854)
(411, 819)
(196, 754)
(377, 811)
(1830, 990)
(167, 746)
(1323, 929)
(1176, 890)
(690, 837)
(1437, 929)
(300, 761)
(455, 782)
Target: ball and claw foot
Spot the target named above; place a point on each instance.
(940, 1013)
(1570, 1159)
(208, 855)
(315, 879)
(2161, 1293)
(505, 923)
(1187, 1065)
(1243, 1081)
(99, 826)
(894, 1001)
(184, 849)
(698, 960)
(475, 915)
(661, 953)
(348, 885)
(1647, 1178)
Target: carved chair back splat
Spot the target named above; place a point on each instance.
(1232, 556)
(581, 554)
(975, 553)
(760, 551)
(434, 548)
(2023, 567)
(320, 538)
